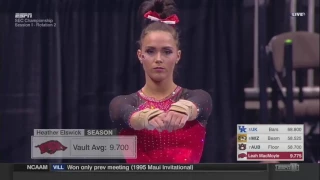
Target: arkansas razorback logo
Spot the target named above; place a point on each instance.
(51, 147)
(242, 155)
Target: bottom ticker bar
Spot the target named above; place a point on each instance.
(138, 167)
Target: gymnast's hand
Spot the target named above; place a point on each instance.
(157, 123)
(174, 120)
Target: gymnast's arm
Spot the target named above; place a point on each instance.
(121, 109)
(124, 112)
(201, 104)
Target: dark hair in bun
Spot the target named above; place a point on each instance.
(164, 8)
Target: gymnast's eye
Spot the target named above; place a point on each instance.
(149, 51)
(167, 52)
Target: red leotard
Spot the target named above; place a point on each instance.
(181, 146)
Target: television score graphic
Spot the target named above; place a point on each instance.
(82, 143)
(258, 142)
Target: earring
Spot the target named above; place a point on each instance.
(177, 62)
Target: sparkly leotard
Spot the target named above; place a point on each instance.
(181, 146)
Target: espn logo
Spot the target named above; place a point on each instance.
(298, 14)
(23, 15)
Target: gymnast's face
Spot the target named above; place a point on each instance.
(159, 54)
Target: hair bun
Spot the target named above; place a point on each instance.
(164, 8)
(158, 6)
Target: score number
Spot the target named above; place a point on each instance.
(294, 147)
(295, 156)
(296, 129)
(117, 147)
(294, 138)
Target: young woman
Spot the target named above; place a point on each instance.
(168, 120)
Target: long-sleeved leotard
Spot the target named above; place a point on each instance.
(180, 146)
